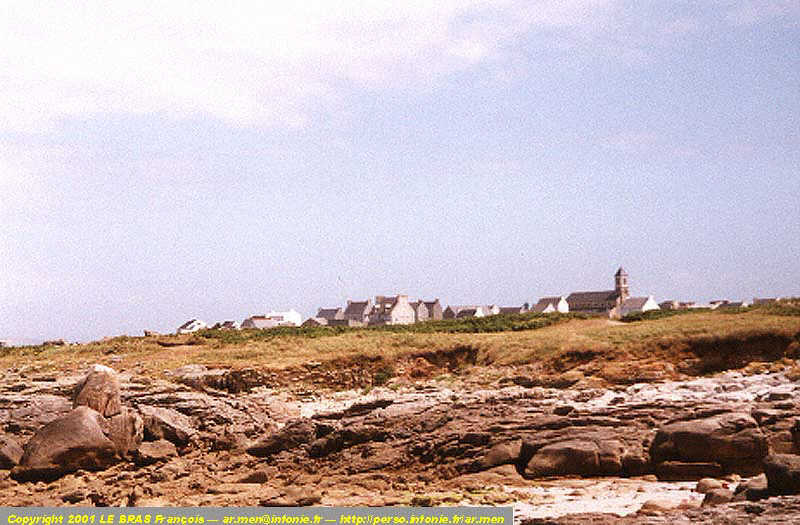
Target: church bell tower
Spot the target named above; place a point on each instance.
(621, 283)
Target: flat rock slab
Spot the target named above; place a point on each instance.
(165, 423)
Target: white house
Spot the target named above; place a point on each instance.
(273, 319)
(547, 305)
(190, 326)
(287, 318)
(462, 311)
(637, 304)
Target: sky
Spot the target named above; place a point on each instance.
(165, 161)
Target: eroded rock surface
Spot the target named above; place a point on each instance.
(449, 442)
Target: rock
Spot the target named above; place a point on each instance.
(232, 381)
(707, 484)
(565, 458)
(154, 451)
(345, 438)
(10, 452)
(657, 506)
(153, 502)
(126, 430)
(717, 497)
(226, 441)
(99, 390)
(684, 471)
(294, 497)
(75, 441)
(731, 439)
(165, 423)
(753, 489)
(296, 433)
(783, 474)
(501, 454)
(259, 476)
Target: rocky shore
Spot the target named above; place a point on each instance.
(647, 452)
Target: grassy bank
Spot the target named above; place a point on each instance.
(504, 340)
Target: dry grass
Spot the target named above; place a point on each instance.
(641, 340)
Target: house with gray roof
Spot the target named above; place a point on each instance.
(392, 310)
(547, 305)
(435, 312)
(190, 326)
(330, 314)
(357, 311)
(636, 304)
(513, 309)
(602, 301)
(420, 311)
(454, 311)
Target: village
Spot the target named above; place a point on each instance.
(399, 309)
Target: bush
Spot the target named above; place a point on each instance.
(652, 315)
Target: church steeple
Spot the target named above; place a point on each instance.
(621, 283)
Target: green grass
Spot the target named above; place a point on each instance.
(652, 315)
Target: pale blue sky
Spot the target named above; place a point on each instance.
(215, 163)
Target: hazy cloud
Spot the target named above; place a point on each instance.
(248, 63)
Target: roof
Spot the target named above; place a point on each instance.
(459, 307)
(187, 324)
(357, 308)
(541, 305)
(634, 303)
(316, 320)
(511, 309)
(592, 297)
(621, 271)
(259, 321)
(467, 312)
(431, 304)
(329, 313)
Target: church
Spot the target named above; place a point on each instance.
(604, 301)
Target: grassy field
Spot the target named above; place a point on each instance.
(505, 340)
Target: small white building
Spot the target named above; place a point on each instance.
(273, 319)
(287, 318)
(637, 304)
(190, 326)
(548, 305)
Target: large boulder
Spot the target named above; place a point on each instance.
(783, 474)
(75, 441)
(165, 423)
(596, 453)
(99, 390)
(753, 489)
(576, 456)
(296, 433)
(731, 439)
(10, 452)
